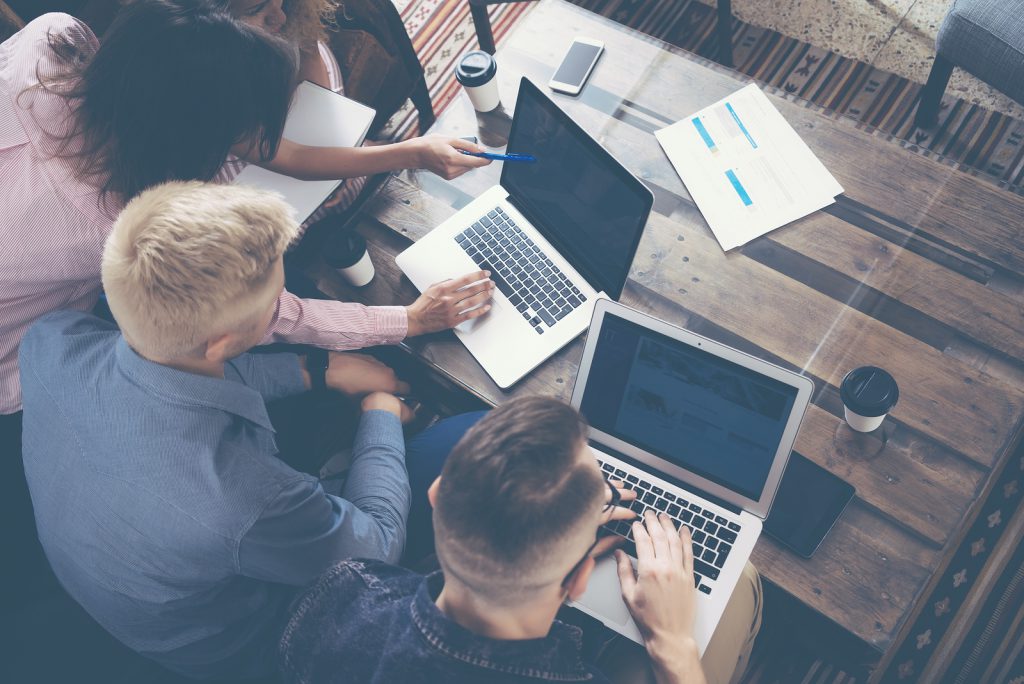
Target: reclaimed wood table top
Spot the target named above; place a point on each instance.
(918, 268)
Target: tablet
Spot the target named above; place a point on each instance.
(807, 505)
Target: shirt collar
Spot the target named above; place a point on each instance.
(192, 389)
(556, 657)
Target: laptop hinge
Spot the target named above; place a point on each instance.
(566, 251)
(732, 508)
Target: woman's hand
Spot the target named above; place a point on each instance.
(440, 155)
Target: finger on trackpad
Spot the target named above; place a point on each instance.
(473, 323)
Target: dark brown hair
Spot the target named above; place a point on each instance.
(513, 486)
(173, 87)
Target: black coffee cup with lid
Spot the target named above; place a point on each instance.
(868, 394)
(476, 71)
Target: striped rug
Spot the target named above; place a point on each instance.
(978, 141)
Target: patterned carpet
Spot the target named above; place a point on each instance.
(971, 624)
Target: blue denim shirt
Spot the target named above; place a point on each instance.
(163, 508)
(368, 622)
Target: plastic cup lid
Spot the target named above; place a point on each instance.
(345, 250)
(475, 68)
(869, 391)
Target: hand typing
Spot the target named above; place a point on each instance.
(661, 596)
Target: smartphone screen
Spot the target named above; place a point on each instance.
(809, 501)
(577, 62)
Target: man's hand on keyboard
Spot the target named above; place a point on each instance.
(662, 598)
(446, 304)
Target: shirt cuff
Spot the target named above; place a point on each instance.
(392, 322)
(378, 428)
(336, 325)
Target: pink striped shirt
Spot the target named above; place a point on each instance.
(52, 227)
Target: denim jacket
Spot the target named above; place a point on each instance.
(365, 621)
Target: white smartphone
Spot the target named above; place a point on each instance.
(575, 68)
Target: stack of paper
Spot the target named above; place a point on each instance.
(746, 168)
(319, 118)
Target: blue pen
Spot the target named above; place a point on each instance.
(501, 157)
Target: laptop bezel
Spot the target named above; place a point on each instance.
(804, 386)
(539, 222)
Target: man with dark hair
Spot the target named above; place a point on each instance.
(516, 515)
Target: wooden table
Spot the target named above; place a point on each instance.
(918, 268)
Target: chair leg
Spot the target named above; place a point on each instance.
(482, 25)
(724, 30)
(420, 97)
(931, 95)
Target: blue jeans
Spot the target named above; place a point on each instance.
(425, 455)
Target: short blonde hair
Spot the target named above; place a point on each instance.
(186, 262)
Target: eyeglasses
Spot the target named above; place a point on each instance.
(613, 500)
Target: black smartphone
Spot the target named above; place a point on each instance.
(809, 501)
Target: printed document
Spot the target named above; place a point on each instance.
(746, 168)
(318, 117)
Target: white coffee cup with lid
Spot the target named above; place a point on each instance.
(476, 71)
(348, 255)
(868, 394)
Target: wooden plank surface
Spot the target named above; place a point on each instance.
(904, 541)
(914, 261)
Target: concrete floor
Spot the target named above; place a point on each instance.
(894, 35)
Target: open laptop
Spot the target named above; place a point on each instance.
(556, 235)
(700, 431)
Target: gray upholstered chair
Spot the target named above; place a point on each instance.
(984, 38)
(482, 25)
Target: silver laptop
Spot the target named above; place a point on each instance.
(700, 431)
(557, 235)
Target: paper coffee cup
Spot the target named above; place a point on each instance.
(360, 273)
(475, 71)
(347, 254)
(868, 394)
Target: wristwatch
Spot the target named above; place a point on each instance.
(316, 366)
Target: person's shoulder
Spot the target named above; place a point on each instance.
(56, 332)
(59, 25)
(354, 597)
(357, 579)
(46, 47)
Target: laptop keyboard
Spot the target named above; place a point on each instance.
(713, 534)
(541, 293)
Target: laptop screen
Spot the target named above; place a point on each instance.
(583, 201)
(690, 407)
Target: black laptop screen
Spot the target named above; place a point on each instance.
(582, 200)
(708, 415)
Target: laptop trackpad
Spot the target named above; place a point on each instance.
(604, 595)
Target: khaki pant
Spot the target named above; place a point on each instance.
(726, 657)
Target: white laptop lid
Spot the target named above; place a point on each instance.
(700, 412)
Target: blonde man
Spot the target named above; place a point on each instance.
(159, 499)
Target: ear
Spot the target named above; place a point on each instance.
(577, 583)
(218, 349)
(432, 491)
